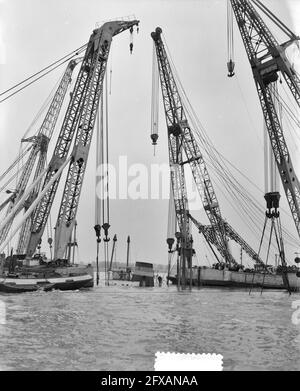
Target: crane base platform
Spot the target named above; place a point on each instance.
(206, 276)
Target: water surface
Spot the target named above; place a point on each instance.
(121, 328)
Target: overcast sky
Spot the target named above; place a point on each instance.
(34, 33)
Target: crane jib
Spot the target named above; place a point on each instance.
(78, 122)
(267, 59)
(182, 143)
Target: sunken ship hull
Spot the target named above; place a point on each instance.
(206, 276)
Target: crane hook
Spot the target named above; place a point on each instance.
(230, 66)
(97, 229)
(105, 227)
(154, 138)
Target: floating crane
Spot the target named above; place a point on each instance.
(183, 150)
(268, 59)
(78, 121)
(39, 150)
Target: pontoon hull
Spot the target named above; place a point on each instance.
(205, 276)
(21, 285)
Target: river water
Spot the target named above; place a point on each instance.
(121, 328)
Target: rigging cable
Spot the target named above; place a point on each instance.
(260, 245)
(23, 152)
(172, 223)
(10, 179)
(254, 126)
(286, 108)
(106, 216)
(42, 110)
(110, 70)
(154, 99)
(230, 41)
(171, 215)
(275, 20)
(212, 152)
(21, 162)
(74, 53)
(106, 143)
(216, 157)
(98, 186)
(16, 161)
(38, 78)
(211, 149)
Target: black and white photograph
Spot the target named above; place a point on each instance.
(149, 191)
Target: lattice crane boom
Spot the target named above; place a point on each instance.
(25, 228)
(209, 233)
(79, 120)
(181, 139)
(20, 188)
(267, 58)
(40, 144)
(45, 133)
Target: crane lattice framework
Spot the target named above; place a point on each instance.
(38, 151)
(43, 141)
(208, 232)
(79, 119)
(267, 58)
(183, 144)
(181, 140)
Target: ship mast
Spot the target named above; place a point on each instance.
(128, 253)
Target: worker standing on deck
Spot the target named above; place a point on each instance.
(159, 278)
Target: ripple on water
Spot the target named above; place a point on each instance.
(122, 328)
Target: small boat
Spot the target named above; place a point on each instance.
(11, 286)
(31, 277)
(21, 285)
(144, 274)
(121, 277)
